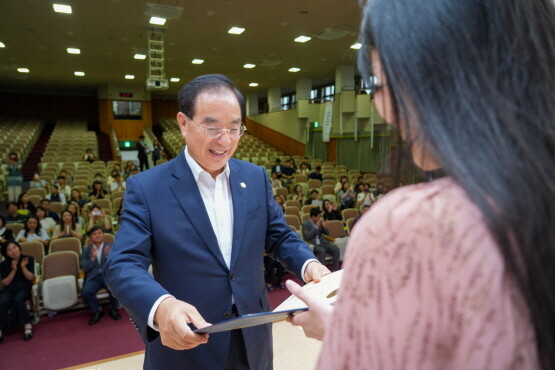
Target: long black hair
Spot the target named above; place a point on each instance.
(476, 80)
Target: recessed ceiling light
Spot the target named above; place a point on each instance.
(236, 30)
(356, 45)
(129, 77)
(294, 69)
(73, 51)
(174, 79)
(303, 39)
(249, 65)
(23, 70)
(139, 56)
(78, 73)
(197, 61)
(158, 21)
(253, 84)
(61, 8)
(2, 45)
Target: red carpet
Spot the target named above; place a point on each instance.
(66, 340)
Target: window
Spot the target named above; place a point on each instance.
(127, 109)
(288, 101)
(322, 94)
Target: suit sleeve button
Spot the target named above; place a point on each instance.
(227, 315)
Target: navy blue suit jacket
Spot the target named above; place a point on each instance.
(166, 224)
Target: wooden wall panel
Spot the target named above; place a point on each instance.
(163, 108)
(125, 129)
(280, 141)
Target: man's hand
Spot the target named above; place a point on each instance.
(314, 320)
(172, 317)
(314, 272)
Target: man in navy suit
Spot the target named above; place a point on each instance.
(203, 221)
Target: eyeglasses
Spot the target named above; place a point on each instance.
(374, 84)
(215, 132)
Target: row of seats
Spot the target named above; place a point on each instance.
(69, 141)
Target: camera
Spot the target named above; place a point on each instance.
(96, 213)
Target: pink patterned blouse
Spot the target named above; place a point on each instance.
(425, 287)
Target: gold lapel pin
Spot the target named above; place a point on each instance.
(243, 185)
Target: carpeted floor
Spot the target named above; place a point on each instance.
(66, 340)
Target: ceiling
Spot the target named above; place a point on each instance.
(110, 32)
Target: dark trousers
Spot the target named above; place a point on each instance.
(91, 287)
(237, 357)
(274, 271)
(14, 301)
(143, 162)
(327, 247)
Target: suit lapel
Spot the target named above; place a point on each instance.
(239, 195)
(188, 196)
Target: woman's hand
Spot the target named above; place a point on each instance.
(313, 321)
(24, 262)
(14, 265)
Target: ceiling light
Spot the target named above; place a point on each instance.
(129, 77)
(174, 79)
(2, 45)
(78, 73)
(158, 21)
(236, 30)
(356, 45)
(61, 8)
(303, 39)
(139, 56)
(197, 61)
(253, 84)
(23, 70)
(249, 65)
(73, 51)
(294, 69)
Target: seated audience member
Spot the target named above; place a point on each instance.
(76, 197)
(17, 273)
(364, 209)
(379, 190)
(46, 204)
(13, 214)
(280, 201)
(97, 191)
(298, 194)
(38, 183)
(67, 176)
(97, 217)
(46, 222)
(55, 195)
(363, 196)
(110, 178)
(314, 199)
(33, 231)
(24, 205)
(314, 232)
(307, 161)
(133, 170)
(346, 196)
(119, 170)
(330, 211)
(273, 273)
(304, 169)
(89, 156)
(276, 183)
(276, 168)
(73, 207)
(293, 165)
(339, 184)
(5, 233)
(63, 187)
(287, 174)
(67, 227)
(316, 174)
(93, 259)
(118, 184)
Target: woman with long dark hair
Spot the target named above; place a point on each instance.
(67, 227)
(17, 273)
(33, 231)
(456, 273)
